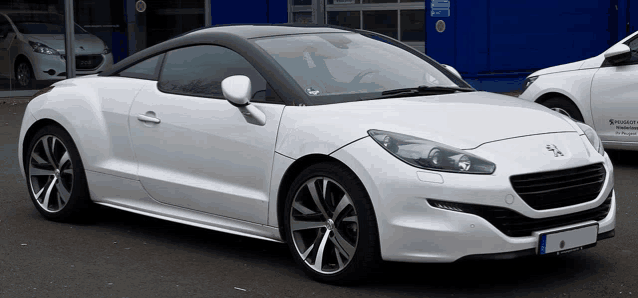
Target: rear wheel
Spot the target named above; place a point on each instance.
(330, 225)
(55, 176)
(565, 107)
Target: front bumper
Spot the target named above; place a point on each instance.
(53, 67)
(522, 253)
(411, 230)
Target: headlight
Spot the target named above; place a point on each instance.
(592, 136)
(106, 50)
(42, 48)
(431, 155)
(528, 82)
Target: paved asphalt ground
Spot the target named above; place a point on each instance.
(126, 255)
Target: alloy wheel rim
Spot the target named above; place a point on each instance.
(50, 173)
(562, 111)
(23, 74)
(324, 225)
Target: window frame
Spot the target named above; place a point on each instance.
(269, 89)
(153, 77)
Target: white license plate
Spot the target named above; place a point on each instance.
(568, 240)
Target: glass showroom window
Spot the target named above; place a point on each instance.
(350, 19)
(382, 21)
(413, 25)
(400, 19)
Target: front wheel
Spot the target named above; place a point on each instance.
(24, 75)
(330, 225)
(55, 176)
(565, 107)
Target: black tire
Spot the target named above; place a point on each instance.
(366, 259)
(564, 106)
(23, 67)
(68, 198)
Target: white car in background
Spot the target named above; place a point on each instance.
(32, 48)
(601, 91)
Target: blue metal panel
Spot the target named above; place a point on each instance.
(441, 45)
(623, 18)
(503, 41)
(119, 46)
(234, 12)
(632, 16)
(542, 36)
(277, 11)
(472, 37)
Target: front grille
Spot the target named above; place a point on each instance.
(547, 190)
(88, 62)
(514, 224)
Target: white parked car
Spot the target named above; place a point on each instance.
(32, 48)
(600, 91)
(350, 149)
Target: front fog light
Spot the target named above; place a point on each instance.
(446, 205)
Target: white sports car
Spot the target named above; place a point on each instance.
(350, 146)
(600, 91)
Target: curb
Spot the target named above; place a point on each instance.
(15, 100)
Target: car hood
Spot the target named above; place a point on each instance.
(84, 43)
(559, 68)
(463, 120)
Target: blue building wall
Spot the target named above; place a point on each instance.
(495, 44)
(249, 11)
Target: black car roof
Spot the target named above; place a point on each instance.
(215, 34)
(239, 38)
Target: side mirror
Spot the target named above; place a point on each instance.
(618, 54)
(452, 70)
(237, 90)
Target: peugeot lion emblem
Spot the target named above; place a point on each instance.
(553, 148)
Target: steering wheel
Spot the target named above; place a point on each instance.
(362, 74)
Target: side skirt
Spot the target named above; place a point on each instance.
(129, 195)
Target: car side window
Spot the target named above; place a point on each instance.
(147, 69)
(200, 70)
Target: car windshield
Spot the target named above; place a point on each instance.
(41, 23)
(334, 64)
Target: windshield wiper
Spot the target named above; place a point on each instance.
(421, 90)
(425, 89)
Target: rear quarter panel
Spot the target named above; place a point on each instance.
(94, 110)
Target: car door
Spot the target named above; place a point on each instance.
(7, 35)
(201, 153)
(614, 99)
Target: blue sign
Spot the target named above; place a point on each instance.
(440, 8)
(440, 4)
